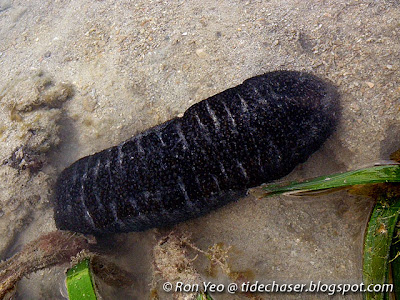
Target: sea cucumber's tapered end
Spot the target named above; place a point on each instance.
(305, 112)
(302, 89)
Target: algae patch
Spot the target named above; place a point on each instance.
(30, 109)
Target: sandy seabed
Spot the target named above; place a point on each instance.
(79, 76)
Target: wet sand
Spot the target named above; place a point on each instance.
(133, 65)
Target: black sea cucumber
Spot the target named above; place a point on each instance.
(253, 133)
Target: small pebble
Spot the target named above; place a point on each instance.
(201, 53)
(355, 106)
(370, 84)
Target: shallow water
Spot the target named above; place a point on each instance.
(136, 64)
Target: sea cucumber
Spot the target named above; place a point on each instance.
(242, 137)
